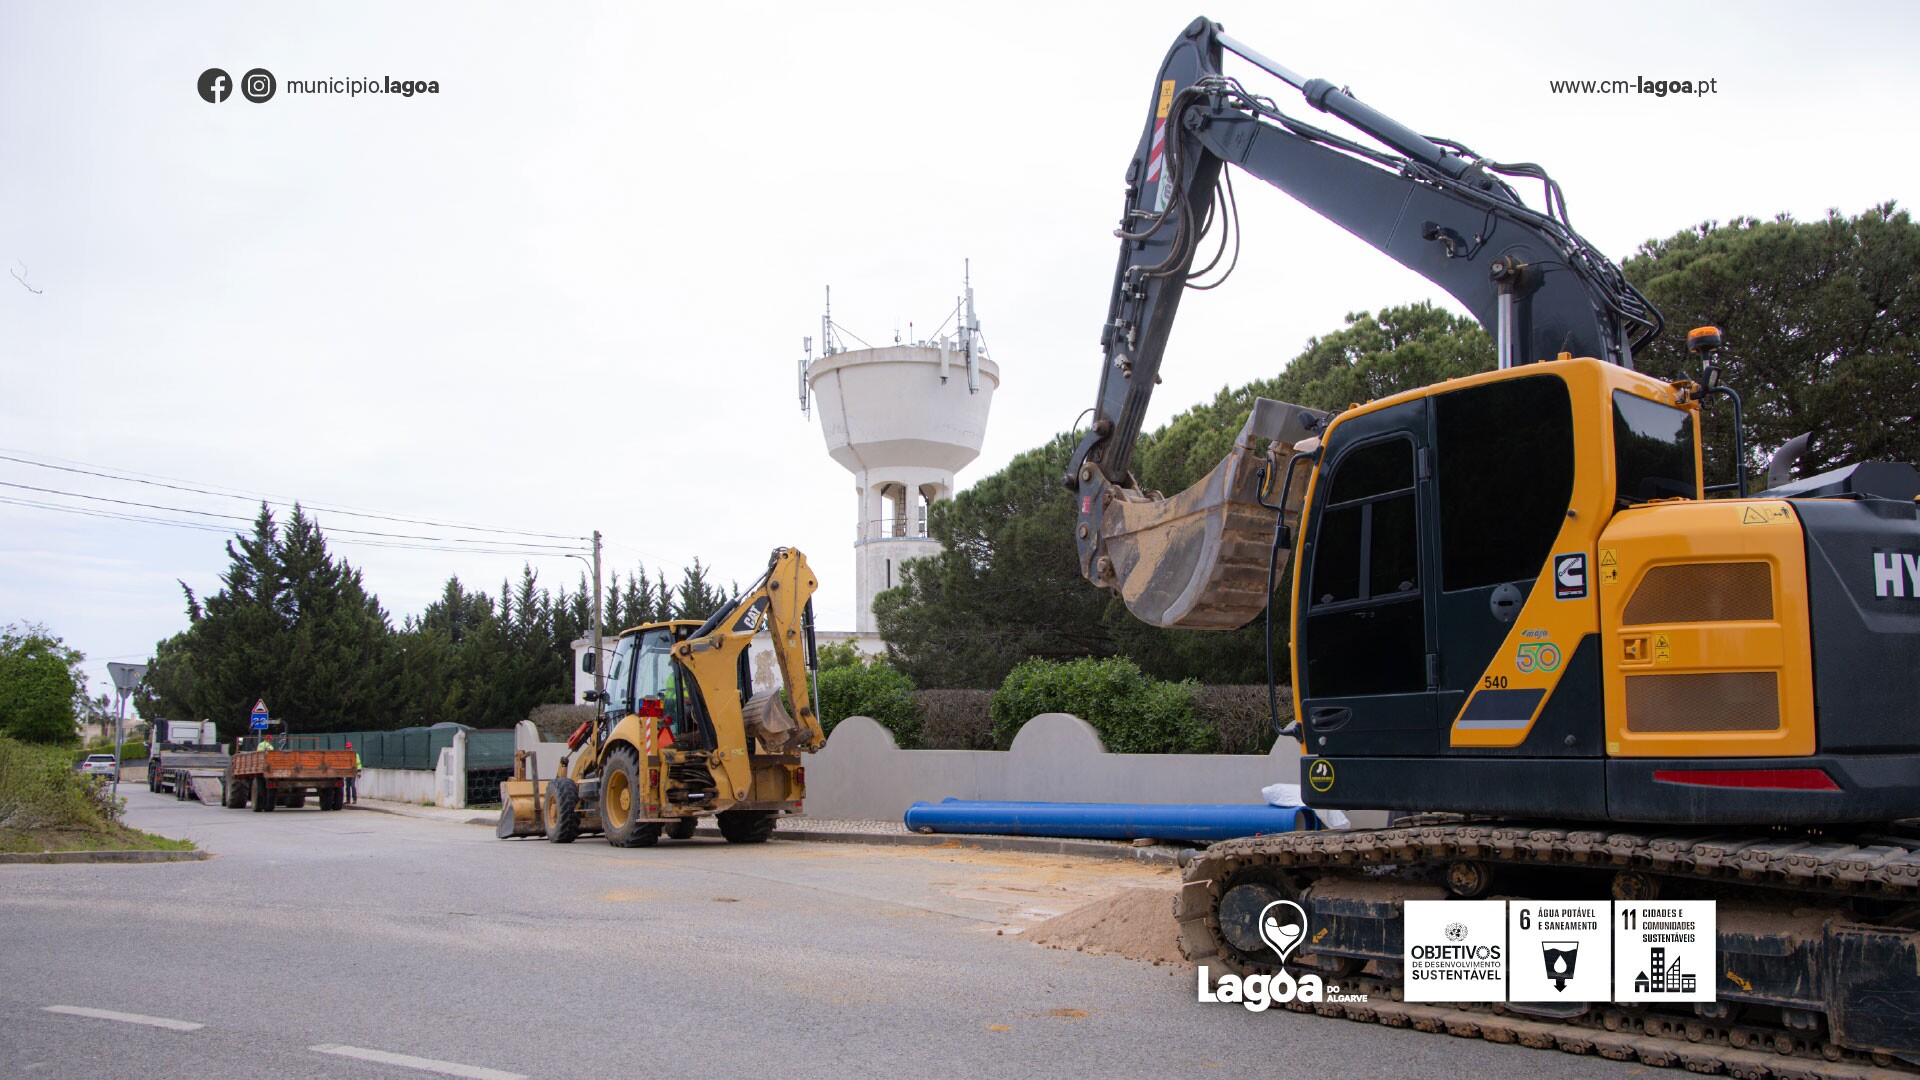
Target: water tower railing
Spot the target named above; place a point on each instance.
(889, 528)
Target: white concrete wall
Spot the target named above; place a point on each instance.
(862, 775)
(397, 785)
(548, 754)
(445, 785)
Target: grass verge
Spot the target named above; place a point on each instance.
(46, 806)
(116, 837)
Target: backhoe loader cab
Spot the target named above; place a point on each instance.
(680, 732)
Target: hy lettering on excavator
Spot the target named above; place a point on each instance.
(1518, 609)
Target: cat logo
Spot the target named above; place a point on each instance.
(1320, 775)
(749, 620)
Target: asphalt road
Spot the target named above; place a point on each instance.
(369, 934)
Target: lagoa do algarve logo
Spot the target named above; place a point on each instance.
(1282, 926)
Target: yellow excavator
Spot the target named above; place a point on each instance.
(1521, 617)
(681, 734)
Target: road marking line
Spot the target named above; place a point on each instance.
(126, 1018)
(408, 1061)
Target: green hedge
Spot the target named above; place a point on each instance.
(131, 753)
(877, 689)
(1133, 712)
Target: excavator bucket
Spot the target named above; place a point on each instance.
(1199, 560)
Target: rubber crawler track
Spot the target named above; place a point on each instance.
(1882, 866)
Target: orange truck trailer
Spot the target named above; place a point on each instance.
(267, 779)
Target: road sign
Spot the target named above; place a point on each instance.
(259, 715)
(126, 676)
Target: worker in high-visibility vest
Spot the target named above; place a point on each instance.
(266, 743)
(353, 795)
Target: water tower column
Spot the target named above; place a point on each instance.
(893, 529)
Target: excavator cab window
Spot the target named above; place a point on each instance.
(1652, 451)
(1366, 633)
(619, 672)
(1505, 474)
(654, 675)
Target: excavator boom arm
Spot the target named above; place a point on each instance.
(1535, 284)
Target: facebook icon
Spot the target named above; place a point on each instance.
(215, 87)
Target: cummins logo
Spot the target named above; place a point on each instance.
(1896, 574)
(1570, 576)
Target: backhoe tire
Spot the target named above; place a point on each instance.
(682, 829)
(746, 826)
(621, 801)
(233, 793)
(563, 810)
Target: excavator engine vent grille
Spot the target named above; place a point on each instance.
(1704, 701)
(1702, 592)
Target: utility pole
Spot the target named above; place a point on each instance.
(599, 665)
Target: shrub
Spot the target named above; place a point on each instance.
(839, 655)
(1133, 712)
(876, 689)
(1239, 717)
(39, 789)
(955, 719)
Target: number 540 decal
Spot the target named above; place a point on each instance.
(1544, 656)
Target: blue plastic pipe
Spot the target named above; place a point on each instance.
(1109, 821)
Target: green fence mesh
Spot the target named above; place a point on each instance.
(417, 747)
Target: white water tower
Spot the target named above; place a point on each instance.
(903, 418)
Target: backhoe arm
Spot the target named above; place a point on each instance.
(780, 603)
(1199, 560)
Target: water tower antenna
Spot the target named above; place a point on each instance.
(806, 392)
(969, 329)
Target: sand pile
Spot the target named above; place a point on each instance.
(1136, 923)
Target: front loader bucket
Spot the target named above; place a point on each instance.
(519, 810)
(1198, 560)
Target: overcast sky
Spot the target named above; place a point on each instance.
(568, 291)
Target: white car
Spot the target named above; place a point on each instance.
(100, 765)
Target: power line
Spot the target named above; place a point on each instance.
(144, 519)
(131, 477)
(237, 517)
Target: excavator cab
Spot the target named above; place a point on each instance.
(1516, 608)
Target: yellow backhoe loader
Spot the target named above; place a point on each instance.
(680, 732)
